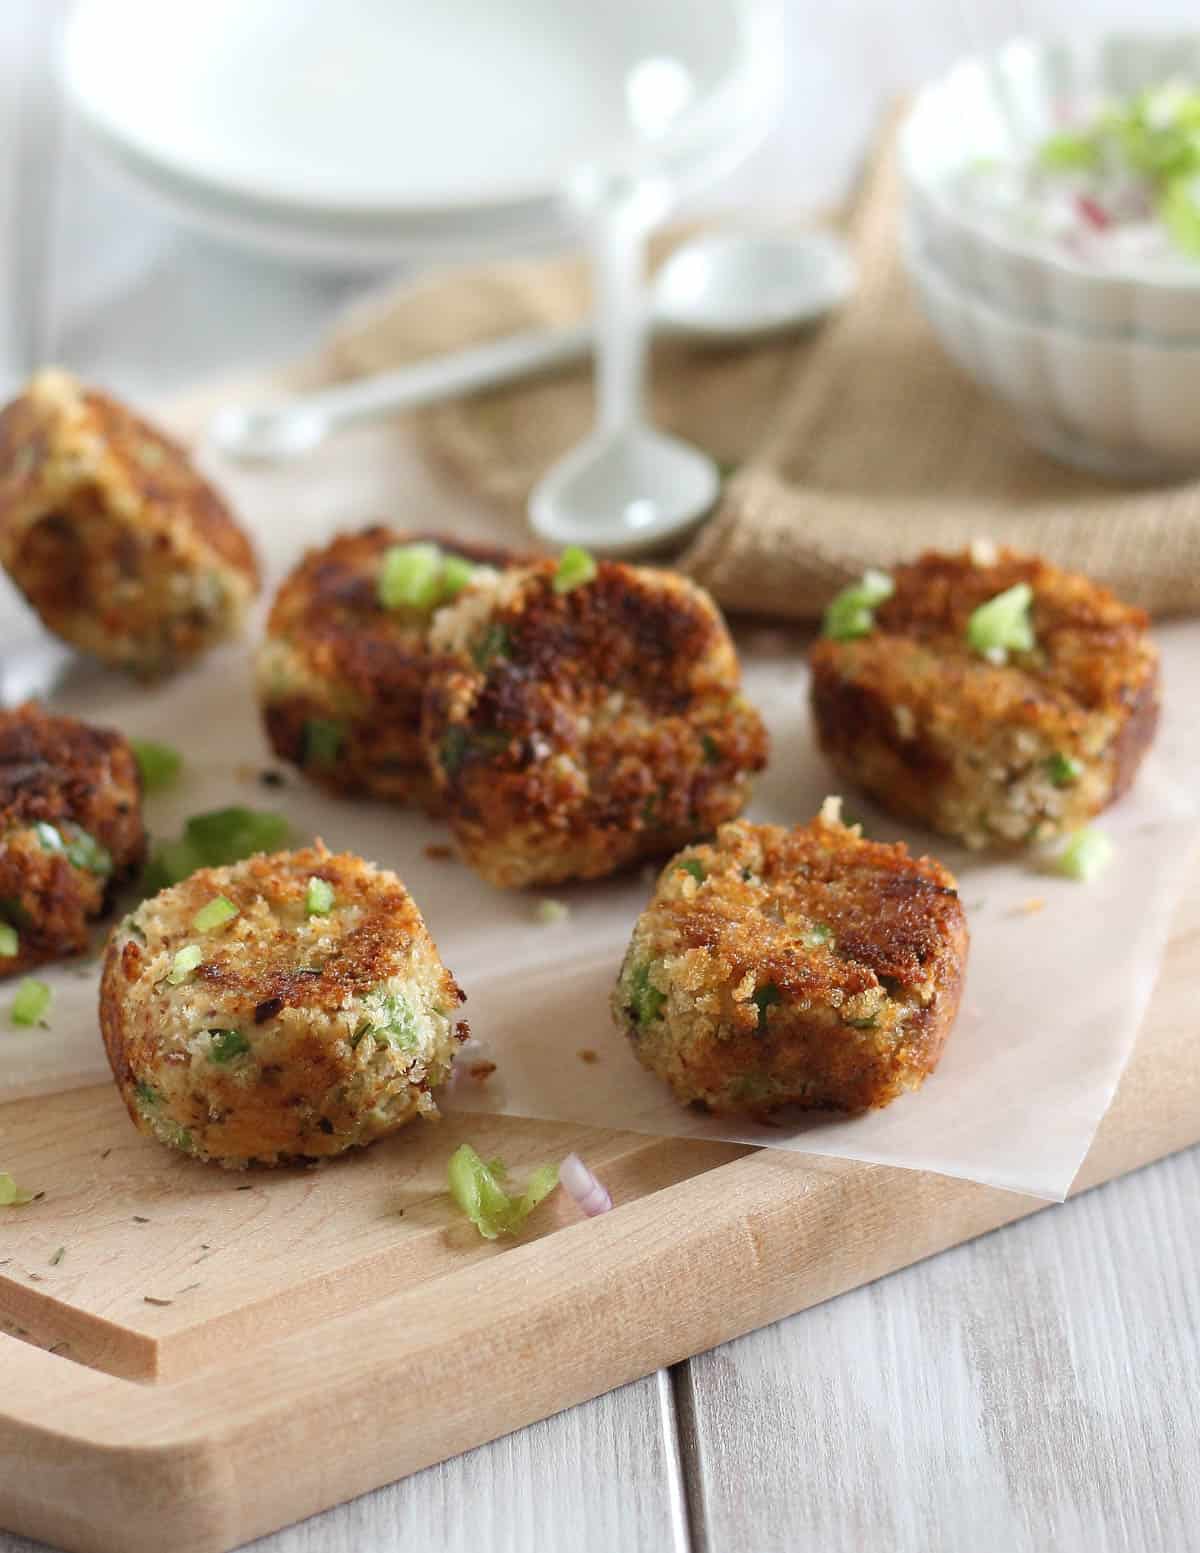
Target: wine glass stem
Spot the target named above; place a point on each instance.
(618, 255)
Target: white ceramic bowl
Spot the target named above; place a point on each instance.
(1004, 105)
(1120, 407)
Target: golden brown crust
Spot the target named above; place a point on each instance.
(805, 967)
(309, 1079)
(56, 772)
(571, 734)
(335, 654)
(940, 735)
(116, 540)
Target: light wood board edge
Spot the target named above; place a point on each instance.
(101, 1465)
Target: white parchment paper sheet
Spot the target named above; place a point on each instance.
(1053, 999)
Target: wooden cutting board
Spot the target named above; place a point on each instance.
(215, 1355)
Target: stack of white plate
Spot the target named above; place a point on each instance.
(1102, 364)
(354, 132)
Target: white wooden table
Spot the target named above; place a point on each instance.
(1034, 1390)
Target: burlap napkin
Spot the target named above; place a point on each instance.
(853, 445)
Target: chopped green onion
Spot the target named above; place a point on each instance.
(31, 1001)
(475, 1186)
(218, 911)
(1086, 854)
(12, 1195)
(411, 577)
(318, 898)
(549, 911)
(645, 1000)
(9, 943)
(226, 1045)
(323, 739)
(454, 748)
(170, 862)
(764, 998)
(390, 1018)
(693, 866)
(213, 840)
(224, 836)
(78, 846)
(712, 750)
(146, 1094)
(457, 572)
(159, 764)
(494, 643)
(1066, 152)
(575, 568)
(1179, 211)
(1003, 624)
(184, 963)
(1063, 770)
(818, 935)
(852, 612)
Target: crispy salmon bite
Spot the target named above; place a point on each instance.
(116, 541)
(70, 832)
(342, 669)
(582, 716)
(987, 695)
(799, 967)
(288, 1007)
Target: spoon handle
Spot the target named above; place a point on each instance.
(459, 372)
(618, 257)
(299, 424)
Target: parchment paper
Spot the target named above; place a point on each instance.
(1053, 1001)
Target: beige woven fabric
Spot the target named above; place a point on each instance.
(854, 445)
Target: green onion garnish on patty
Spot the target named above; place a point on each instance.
(12, 1195)
(494, 643)
(9, 943)
(323, 740)
(645, 1000)
(766, 997)
(411, 577)
(475, 1186)
(78, 846)
(159, 764)
(454, 747)
(1086, 854)
(218, 911)
(31, 1001)
(226, 1045)
(185, 962)
(575, 568)
(693, 866)
(457, 572)
(318, 897)
(852, 612)
(1063, 770)
(1003, 624)
(818, 935)
(390, 1018)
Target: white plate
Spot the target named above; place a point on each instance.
(379, 126)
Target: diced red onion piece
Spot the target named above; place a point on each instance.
(1092, 212)
(581, 1185)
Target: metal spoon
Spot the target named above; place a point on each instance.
(713, 288)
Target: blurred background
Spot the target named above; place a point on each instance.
(98, 278)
